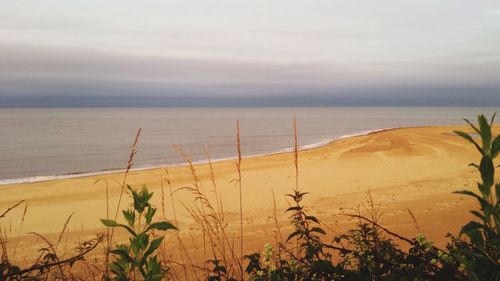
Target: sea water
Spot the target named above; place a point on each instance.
(44, 143)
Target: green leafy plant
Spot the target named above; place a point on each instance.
(307, 261)
(307, 232)
(481, 257)
(137, 260)
(370, 255)
(218, 271)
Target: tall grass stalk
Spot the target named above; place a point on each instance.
(65, 227)
(238, 168)
(19, 230)
(182, 249)
(219, 226)
(11, 208)
(218, 198)
(296, 153)
(296, 165)
(205, 210)
(198, 190)
(211, 219)
(130, 163)
(163, 213)
(4, 236)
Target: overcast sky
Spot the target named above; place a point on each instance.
(355, 51)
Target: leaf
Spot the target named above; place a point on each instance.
(495, 147)
(293, 234)
(163, 225)
(138, 197)
(473, 126)
(143, 240)
(310, 250)
(470, 193)
(470, 226)
(123, 254)
(476, 238)
(109, 223)
(153, 266)
(478, 214)
(312, 218)
(139, 243)
(318, 230)
(253, 263)
(116, 268)
(134, 193)
(485, 132)
(112, 223)
(129, 215)
(492, 119)
(487, 170)
(150, 214)
(470, 139)
(294, 208)
(155, 244)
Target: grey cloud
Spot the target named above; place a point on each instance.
(45, 66)
(35, 72)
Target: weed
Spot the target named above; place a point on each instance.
(138, 257)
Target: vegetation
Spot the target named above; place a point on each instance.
(369, 251)
(481, 255)
(137, 258)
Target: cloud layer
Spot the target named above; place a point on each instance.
(330, 50)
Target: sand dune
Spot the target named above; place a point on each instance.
(405, 169)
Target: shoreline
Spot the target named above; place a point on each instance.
(76, 175)
(415, 168)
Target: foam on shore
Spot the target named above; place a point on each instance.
(319, 144)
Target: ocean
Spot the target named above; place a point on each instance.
(43, 143)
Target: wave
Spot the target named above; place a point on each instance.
(321, 143)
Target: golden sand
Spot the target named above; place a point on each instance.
(414, 169)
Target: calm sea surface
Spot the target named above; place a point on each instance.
(35, 143)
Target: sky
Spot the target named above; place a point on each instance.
(259, 52)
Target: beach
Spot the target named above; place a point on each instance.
(411, 172)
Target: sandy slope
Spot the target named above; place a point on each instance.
(410, 168)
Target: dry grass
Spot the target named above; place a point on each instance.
(49, 257)
(210, 221)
